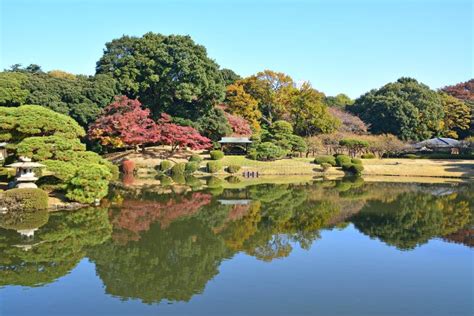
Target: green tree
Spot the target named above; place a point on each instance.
(229, 76)
(33, 120)
(457, 116)
(243, 104)
(214, 125)
(341, 100)
(81, 97)
(12, 92)
(168, 74)
(309, 113)
(405, 108)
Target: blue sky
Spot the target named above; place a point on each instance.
(345, 46)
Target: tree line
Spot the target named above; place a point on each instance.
(145, 86)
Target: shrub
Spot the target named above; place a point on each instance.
(128, 166)
(411, 156)
(165, 165)
(193, 182)
(192, 166)
(252, 154)
(21, 219)
(24, 199)
(179, 168)
(354, 169)
(50, 183)
(90, 183)
(233, 168)
(356, 161)
(178, 178)
(214, 182)
(368, 156)
(325, 159)
(342, 159)
(269, 151)
(325, 166)
(165, 180)
(232, 179)
(216, 154)
(195, 158)
(214, 166)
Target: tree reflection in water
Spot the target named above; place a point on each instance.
(154, 246)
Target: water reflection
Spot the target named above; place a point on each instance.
(157, 244)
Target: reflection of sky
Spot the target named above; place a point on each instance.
(344, 272)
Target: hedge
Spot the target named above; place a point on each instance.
(24, 199)
(356, 161)
(216, 154)
(233, 168)
(214, 166)
(325, 159)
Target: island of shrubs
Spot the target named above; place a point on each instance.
(347, 164)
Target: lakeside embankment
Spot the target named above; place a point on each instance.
(387, 167)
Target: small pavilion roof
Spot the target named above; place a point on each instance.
(235, 140)
(438, 142)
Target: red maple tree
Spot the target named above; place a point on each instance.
(240, 126)
(178, 136)
(124, 123)
(463, 90)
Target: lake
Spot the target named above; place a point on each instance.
(345, 247)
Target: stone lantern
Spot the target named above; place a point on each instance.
(25, 176)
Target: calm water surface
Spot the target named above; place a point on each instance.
(324, 248)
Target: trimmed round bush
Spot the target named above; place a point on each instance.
(325, 159)
(193, 181)
(165, 165)
(214, 182)
(232, 179)
(179, 168)
(325, 166)
(269, 151)
(178, 178)
(24, 199)
(233, 168)
(356, 161)
(411, 156)
(354, 169)
(195, 158)
(342, 159)
(214, 166)
(368, 156)
(128, 166)
(216, 154)
(252, 154)
(165, 180)
(192, 166)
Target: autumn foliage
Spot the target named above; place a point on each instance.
(178, 136)
(124, 123)
(240, 126)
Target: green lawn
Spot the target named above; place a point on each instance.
(295, 166)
